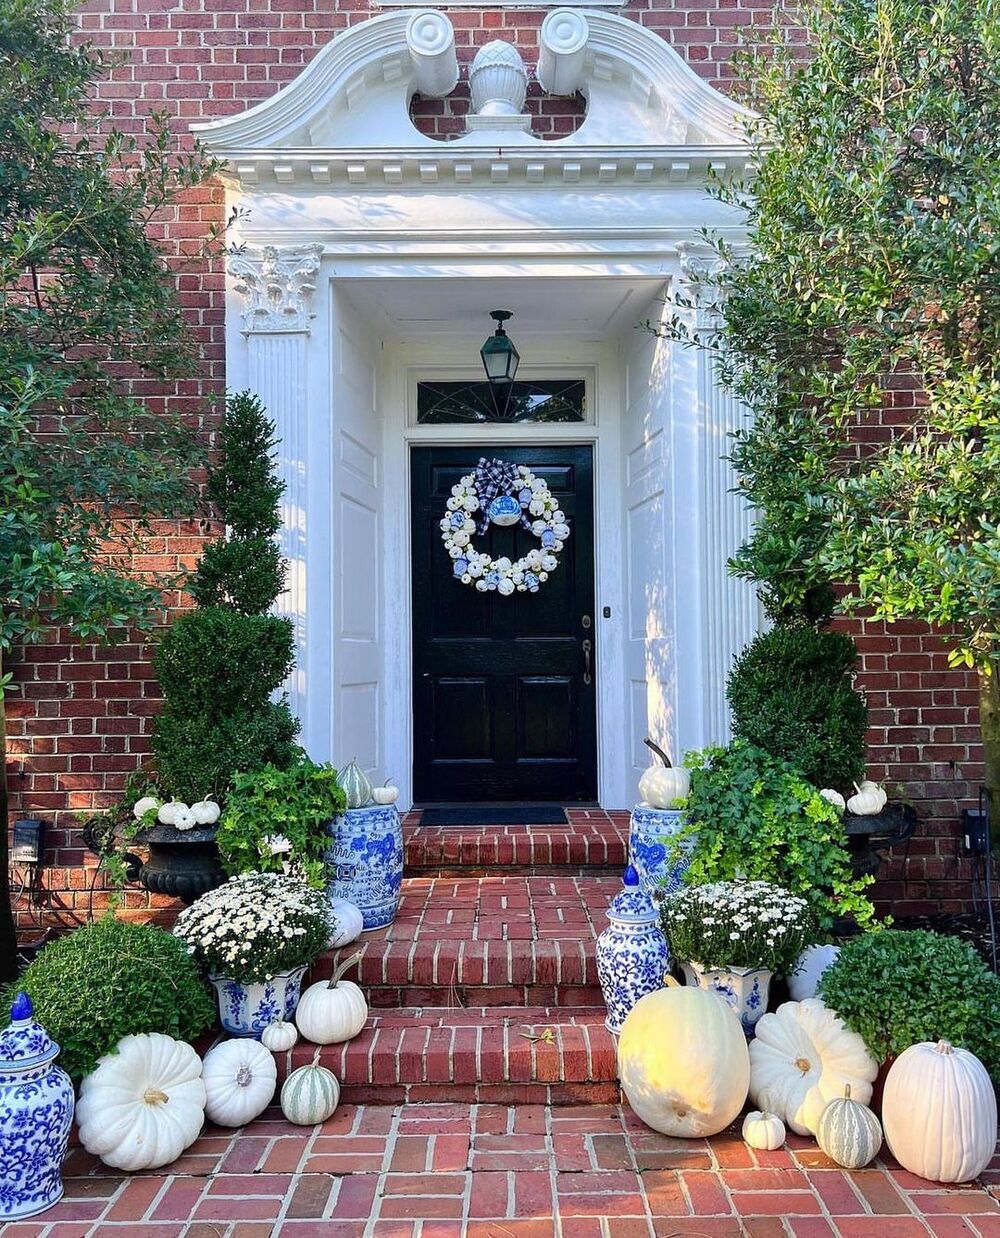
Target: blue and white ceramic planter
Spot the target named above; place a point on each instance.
(632, 954)
(649, 835)
(744, 988)
(246, 1009)
(36, 1113)
(364, 862)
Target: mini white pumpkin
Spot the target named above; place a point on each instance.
(939, 1111)
(660, 785)
(333, 1010)
(279, 1036)
(386, 794)
(206, 811)
(349, 923)
(240, 1080)
(834, 798)
(682, 1061)
(183, 819)
(146, 804)
(763, 1130)
(869, 800)
(143, 1104)
(848, 1132)
(809, 966)
(168, 811)
(310, 1095)
(801, 1058)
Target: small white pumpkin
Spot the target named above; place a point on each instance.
(279, 1036)
(834, 798)
(349, 923)
(809, 966)
(333, 1010)
(240, 1081)
(802, 1057)
(683, 1062)
(183, 819)
(146, 804)
(206, 811)
(660, 785)
(143, 1104)
(385, 794)
(763, 1130)
(310, 1095)
(869, 800)
(169, 810)
(940, 1112)
(848, 1132)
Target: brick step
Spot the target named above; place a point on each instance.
(485, 1055)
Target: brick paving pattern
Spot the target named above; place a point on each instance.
(492, 1171)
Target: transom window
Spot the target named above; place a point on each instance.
(467, 403)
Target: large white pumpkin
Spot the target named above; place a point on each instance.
(333, 1010)
(683, 1062)
(802, 1057)
(240, 1079)
(939, 1112)
(809, 966)
(143, 1104)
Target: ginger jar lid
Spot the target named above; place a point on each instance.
(632, 905)
(24, 1043)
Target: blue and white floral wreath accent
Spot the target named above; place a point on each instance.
(503, 494)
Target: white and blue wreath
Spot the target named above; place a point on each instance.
(502, 493)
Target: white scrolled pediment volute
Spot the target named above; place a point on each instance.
(277, 285)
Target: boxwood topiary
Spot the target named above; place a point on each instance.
(898, 987)
(109, 979)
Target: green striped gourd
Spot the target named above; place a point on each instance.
(309, 1095)
(355, 784)
(848, 1132)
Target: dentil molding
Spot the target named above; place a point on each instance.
(277, 286)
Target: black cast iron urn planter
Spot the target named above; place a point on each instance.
(182, 864)
(869, 837)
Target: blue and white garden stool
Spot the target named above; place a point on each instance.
(632, 955)
(650, 833)
(364, 862)
(36, 1112)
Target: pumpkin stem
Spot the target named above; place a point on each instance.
(659, 751)
(339, 971)
(669, 982)
(847, 1091)
(856, 787)
(803, 1064)
(943, 1046)
(153, 1096)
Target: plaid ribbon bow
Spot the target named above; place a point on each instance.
(493, 478)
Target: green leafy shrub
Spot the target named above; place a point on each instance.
(271, 806)
(108, 980)
(897, 988)
(752, 815)
(791, 694)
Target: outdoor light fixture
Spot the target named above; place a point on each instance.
(500, 357)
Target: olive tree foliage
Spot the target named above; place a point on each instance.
(86, 304)
(873, 264)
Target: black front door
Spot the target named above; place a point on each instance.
(504, 687)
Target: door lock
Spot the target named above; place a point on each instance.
(586, 623)
(587, 648)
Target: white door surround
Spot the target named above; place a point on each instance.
(370, 257)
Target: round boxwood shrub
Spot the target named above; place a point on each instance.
(109, 979)
(896, 988)
(791, 694)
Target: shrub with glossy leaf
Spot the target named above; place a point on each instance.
(897, 988)
(111, 979)
(791, 694)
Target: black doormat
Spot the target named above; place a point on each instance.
(494, 814)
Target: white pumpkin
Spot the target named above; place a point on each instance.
(834, 798)
(660, 785)
(801, 1058)
(143, 1104)
(183, 819)
(146, 804)
(333, 1010)
(279, 1036)
(939, 1111)
(869, 800)
(809, 966)
(763, 1130)
(206, 811)
(349, 923)
(683, 1062)
(169, 810)
(848, 1132)
(386, 794)
(240, 1081)
(310, 1095)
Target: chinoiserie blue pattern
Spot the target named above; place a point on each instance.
(649, 836)
(632, 955)
(745, 989)
(36, 1113)
(364, 862)
(246, 1009)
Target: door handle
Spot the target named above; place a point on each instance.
(587, 649)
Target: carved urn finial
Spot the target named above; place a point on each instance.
(498, 82)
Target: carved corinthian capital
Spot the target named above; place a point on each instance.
(277, 286)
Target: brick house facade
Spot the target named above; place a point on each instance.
(80, 717)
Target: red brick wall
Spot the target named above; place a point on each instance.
(80, 719)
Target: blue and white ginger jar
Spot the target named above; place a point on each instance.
(36, 1112)
(632, 954)
(364, 862)
(246, 1009)
(651, 831)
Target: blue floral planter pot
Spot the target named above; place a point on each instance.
(246, 1009)
(745, 989)
(632, 954)
(36, 1113)
(364, 862)
(649, 836)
